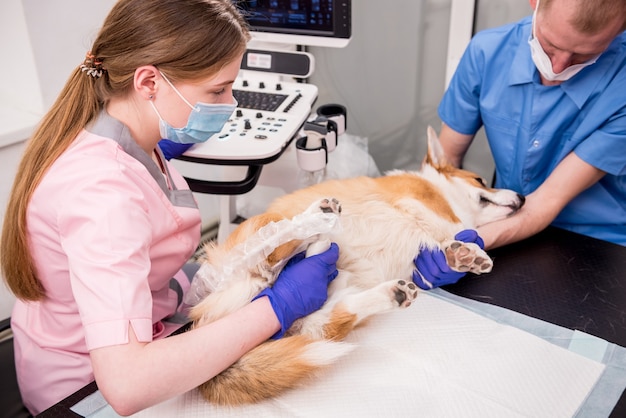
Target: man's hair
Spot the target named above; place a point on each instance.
(593, 15)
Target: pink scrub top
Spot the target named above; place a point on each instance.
(108, 230)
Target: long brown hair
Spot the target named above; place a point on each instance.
(187, 39)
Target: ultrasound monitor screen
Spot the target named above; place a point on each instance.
(325, 18)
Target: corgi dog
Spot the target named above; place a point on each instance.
(382, 223)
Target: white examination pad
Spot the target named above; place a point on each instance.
(434, 359)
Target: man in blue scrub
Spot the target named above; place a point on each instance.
(550, 91)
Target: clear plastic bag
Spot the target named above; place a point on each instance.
(257, 247)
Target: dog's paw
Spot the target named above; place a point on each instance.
(467, 257)
(384, 297)
(403, 293)
(326, 205)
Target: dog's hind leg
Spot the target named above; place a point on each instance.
(282, 241)
(334, 322)
(253, 254)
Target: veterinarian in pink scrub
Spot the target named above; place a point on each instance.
(99, 222)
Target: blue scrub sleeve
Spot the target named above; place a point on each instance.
(460, 108)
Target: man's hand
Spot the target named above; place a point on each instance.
(431, 267)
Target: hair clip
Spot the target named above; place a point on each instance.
(92, 66)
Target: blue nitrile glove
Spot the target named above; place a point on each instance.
(432, 270)
(302, 286)
(172, 149)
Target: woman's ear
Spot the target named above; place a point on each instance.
(145, 81)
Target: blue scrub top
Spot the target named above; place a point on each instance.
(531, 127)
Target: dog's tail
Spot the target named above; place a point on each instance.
(271, 368)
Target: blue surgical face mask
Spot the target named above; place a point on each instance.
(204, 121)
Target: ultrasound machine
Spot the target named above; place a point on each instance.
(274, 99)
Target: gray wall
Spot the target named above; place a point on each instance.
(391, 75)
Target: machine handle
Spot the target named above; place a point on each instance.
(227, 187)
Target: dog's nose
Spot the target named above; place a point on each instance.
(522, 199)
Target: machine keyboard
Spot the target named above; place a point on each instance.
(259, 100)
(267, 117)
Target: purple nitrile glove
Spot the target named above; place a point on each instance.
(302, 286)
(172, 149)
(432, 269)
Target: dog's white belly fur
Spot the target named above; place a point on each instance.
(384, 223)
(379, 243)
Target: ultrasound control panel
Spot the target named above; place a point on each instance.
(267, 117)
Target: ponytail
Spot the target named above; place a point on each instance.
(188, 39)
(74, 108)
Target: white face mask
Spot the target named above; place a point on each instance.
(543, 63)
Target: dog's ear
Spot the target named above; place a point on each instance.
(435, 156)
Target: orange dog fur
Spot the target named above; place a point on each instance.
(384, 222)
